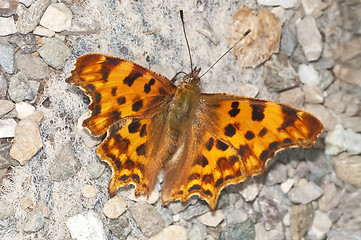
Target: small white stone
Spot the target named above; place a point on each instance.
(89, 191)
(282, 3)
(309, 37)
(26, 203)
(286, 219)
(89, 140)
(44, 32)
(211, 219)
(24, 109)
(6, 107)
(153, 197)
(173, 232)
(286, 186)
(37, 116)
(294, 97)
(313, 94)
(57, 17)
(7, 26)
(115, 207)
(7, 128)
(308, 75)
(340, 140)
(86, 226)
(250, 190)
(321, 225)
(176, 217)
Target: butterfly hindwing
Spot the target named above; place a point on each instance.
(118, 89)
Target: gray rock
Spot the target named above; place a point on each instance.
(301, 217)
(330, 198)
(54, 52)
(294, 97)
(6, 209)
(8, 7)
(348, 168)
(30, 17)
(302, 169)
(6, 106)
(26, 43)
(323, 63)
(32, 66)
(235, 217)
(194, 211)
(95, 169)
(147, 218)
(197, 231)
(20, 89)
(244, 231)
(7, 25)
(318, 163)
(65, 165)
(278, 74)
(34, 221)
(3, 86)
(251, 188)
(7, 58)
(120, 227)
(326, 77)
(309, 38)
(7, 128)
(5, 160)
(336, 102)
(321, 225)
(352, 123)
(339, 234)
(313, 94)
(305, 194)
(288, 40)
(341, 139)
(86, 226)
(277, 174)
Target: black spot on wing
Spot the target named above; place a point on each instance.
(209, 144)
(141, 150)
(258, 111)
(195, 187)
(249, 135)
(229, 130)
(121, 100)
(129, 80)
(143, 131)
(218, 182)
(221, 145)
(262, 132)
(134, 127)
(114, 91)
(264, 155)
(137, 105)
(96, 109)
(97, 97)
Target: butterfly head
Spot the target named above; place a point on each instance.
(192, 77)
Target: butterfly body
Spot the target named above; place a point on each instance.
(204, 142)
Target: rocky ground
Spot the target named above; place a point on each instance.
(53, 185)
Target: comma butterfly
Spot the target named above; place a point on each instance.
(204, 142)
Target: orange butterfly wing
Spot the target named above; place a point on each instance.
(233, 137)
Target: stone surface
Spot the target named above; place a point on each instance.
(65, 165)
(301, 217)
(115, 207)
(250, 189)
(309, 37)
(277, 174)
(197, 231)
(7, 58)
(3, 86)
(24, 43)
(287, 185)
(34, 221)
(330, 198)
(37, 116)
(348, 168)
(293, 97)
(319, 164)
(27, 141)
(24, 110)
(313, 7)
(308, 75)
(95, 169)
(8, 7)
(86, 226)
(120, 227)
(347, 74)
(248, 90)
(335, 102)
(305, 193)
(57, 17)
(147, 218)
(341, 139)
(153, 197)
(7, 26)
(30, 17)
(235, 217)
(282, 3)
(194, 211)
(27, 3)
(211, 219)
(288, 40)
(6, 106)
(244, 231)
(6, 209)
(20, 89)
(321, 225)
(313, 94)
(54, 52)
(32, 66)
(89, 191)
(262, 43)
(42, 31)
(323, 114)
(171, 232)
(278, 74)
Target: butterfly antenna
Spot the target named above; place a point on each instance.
(224, 54)
(185, 36)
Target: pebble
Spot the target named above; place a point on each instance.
(7, 58)
(153, 197)
(32, 66)
(174, 232)
(20, 89)
(277, 174)
(194, 211)
(115, 207)
(147, 218)
(57, 17)
(197, 231)
(120, 227)
(309, 38)
(30, 17)
(305, 194)
(321, 225)
(278, 74)
(302, 169)
(294, 97)
(335, 102)
(89, 191)
(308, 75)
(326, 77)
(27, 3)
(3, 86)
(44, 209)
(54, 52)
(313, 94)
(6, 209)
(330, 198)
(65, 165)
(7, 26)
(287, 185)
(244, 231)
(177, 207)
(313, 7)
(250, 189)
(35, 221)
(288, 40)
(347, 74)
(301, 217)
(323, 114)
(8, 7)
(348, 168)
(282, 3)
(86, 226)
(352, 123)
(95, 169)
(37, 116)
(24, 110)
(318, 163)
(341, 139)
(6, 107)
(211, 219)
(262, 234)
(248, 90)
(323, 63)
(27, 141)
(25, 43)
(27, 203)
(44, 32)
(235, 217)
(89, 140)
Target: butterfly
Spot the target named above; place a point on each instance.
(203, 142)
